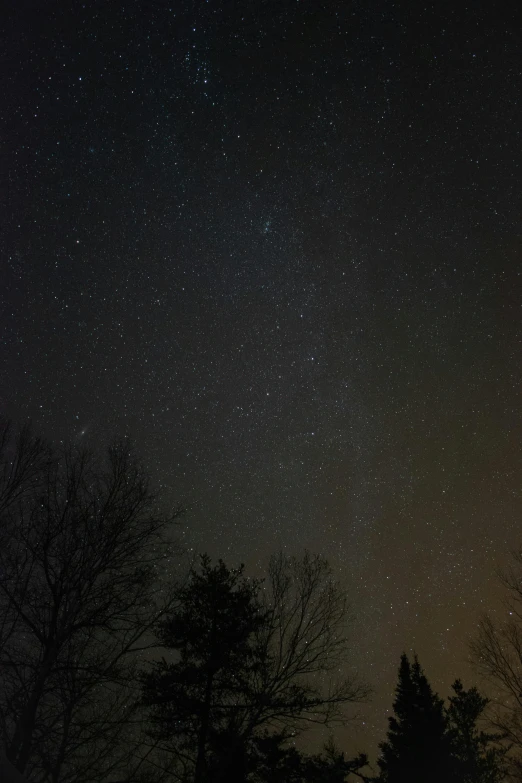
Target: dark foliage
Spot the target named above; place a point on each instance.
(478, 756)
(418, 746)
(196, 700)
(429, 742)
(245, 659)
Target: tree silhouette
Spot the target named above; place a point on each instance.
(497, 655)
(477, 755)
(271, 759)
(248, 665)
(81, 545)
(418, 746)
(194, 700)
(24, 458)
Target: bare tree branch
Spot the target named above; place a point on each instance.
(252, 659)
(496, 653)
(83, 550)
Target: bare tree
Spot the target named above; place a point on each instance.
(305, 644)
(23, 459)
(496, 653)
(253, 660)
(83, 551)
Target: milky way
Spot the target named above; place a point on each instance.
(277, 244)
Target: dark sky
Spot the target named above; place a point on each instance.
(278, 244)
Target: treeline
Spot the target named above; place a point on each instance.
(116, 666)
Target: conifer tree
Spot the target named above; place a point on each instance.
(418, 746)
(246, 671)
(212, 631)
(478, 758)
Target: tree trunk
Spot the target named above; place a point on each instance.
(201, 760)
(19, 749)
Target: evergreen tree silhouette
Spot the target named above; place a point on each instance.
(418, 746)
(194, 697)
(238, 685)
(478, 756)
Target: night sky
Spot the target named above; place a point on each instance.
(277, 243)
